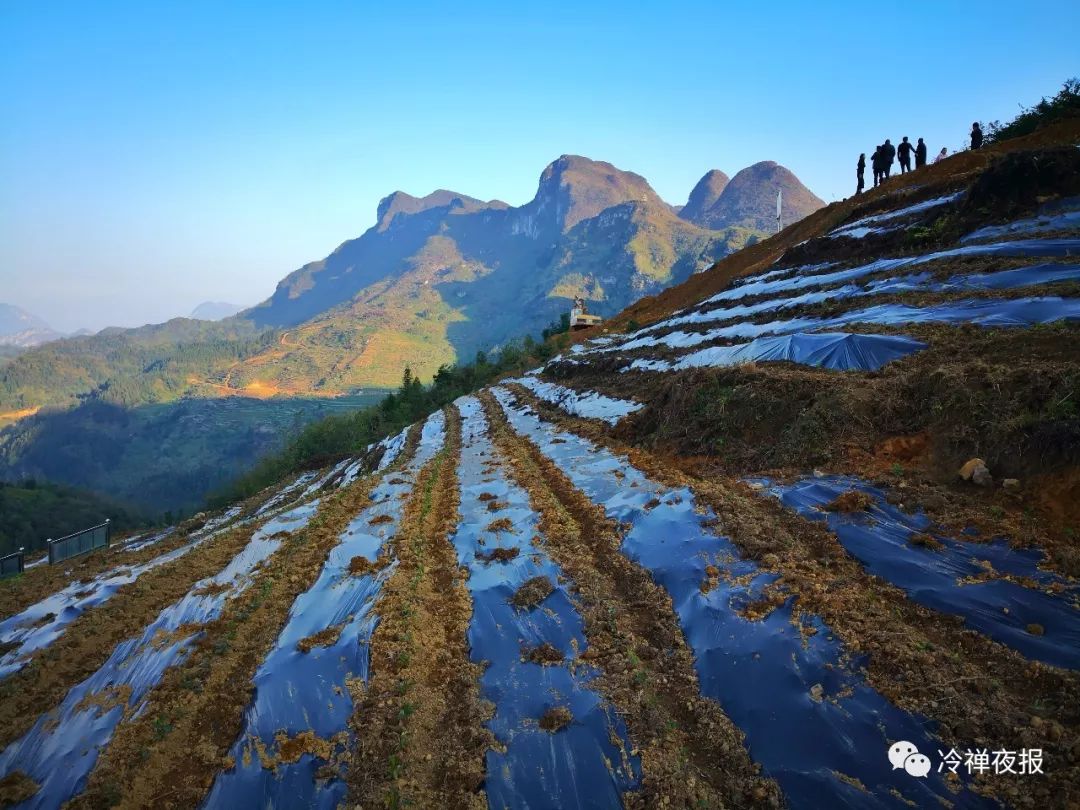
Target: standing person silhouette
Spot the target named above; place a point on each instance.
(888, 155)
(920, 154)
(876, 161)
(860, 172)
(904, 153)
(976, 135)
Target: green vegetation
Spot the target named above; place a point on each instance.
(32, 512)
(165, 459)
(338, 436)
(1065, 105)
(128, 367)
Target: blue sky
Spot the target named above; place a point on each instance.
(156, 155)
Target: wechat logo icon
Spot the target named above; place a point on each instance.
(905, 755)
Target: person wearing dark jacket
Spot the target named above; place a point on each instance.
(860, 172)
(875, 159)
(976, 135)
(888, 155)
(904, 151)
(920, 154)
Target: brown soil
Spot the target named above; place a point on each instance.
(18, 593)
(17, 787)
(91, 638)
(925, 541)
(978, 691)
(531, 593)
(1000, 394)
(500, 525)
(169, 756)
(360, 566)
(692, 755)
(34, 585)
(497, 555)
(419, 722)
(556, 719)
(377, 521)
(324, 638)
(543, 654)
(851, 501)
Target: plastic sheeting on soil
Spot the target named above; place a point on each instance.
(1029, 276)
(763, 673)
(44, 622)
(392, 446)
(589, 404)
(322, 482)
(139, 542)
(880, 539)
(1050, 248)
(1062, 215)
(60, 750)
(861, 227)
(842, 351)
(986, 312)
(586, 764)
(297, 692)
(302, 480)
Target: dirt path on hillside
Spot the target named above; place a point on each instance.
(692, 754)
(419, 725)
(978, 691)
(170, 755)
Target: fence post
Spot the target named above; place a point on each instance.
(108, 532)
(22, 559)
(49, 542)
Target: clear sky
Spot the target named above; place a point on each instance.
(154, 155)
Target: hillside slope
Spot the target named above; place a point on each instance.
(585, 583)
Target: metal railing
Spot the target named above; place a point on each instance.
(12, 564)
(79, 543)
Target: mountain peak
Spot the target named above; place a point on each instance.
(705, 194)
(21, 328)
(400, 202)
(573, 188)
(749, 199)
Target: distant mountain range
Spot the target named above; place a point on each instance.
(436, 278)
(442, 276)
(215, 311)
(21, 329)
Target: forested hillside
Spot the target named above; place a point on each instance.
(32, 512)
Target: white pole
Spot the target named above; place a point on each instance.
(779, 202)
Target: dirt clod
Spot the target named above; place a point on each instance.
(851, 501)
(924, 540)
(500, 525)
(543, 654)
(532, 592)
(17, 787)
(498, 555)
(324, 638)
(555, 719)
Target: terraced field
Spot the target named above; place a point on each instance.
(724, 559)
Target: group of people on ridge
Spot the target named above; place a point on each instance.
(885, 154)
